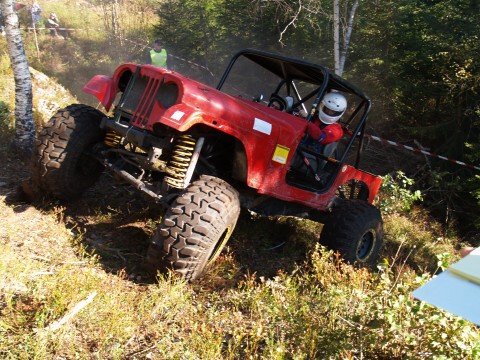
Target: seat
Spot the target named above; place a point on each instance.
(316, 163)
(316, 174)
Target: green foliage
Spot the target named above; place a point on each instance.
(4, 112)
(417, 59)
(396, 194)
(209, 32)
(444, 260)
(426, 51)
(6, 122)
(6, 98)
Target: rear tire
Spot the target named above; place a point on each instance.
(195, 228)
(61, 166)
(355, 230)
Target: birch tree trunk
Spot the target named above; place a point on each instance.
(347, 36)
(24, 125)
(336, 36)
(111, 21)
(116, 22)
(340, 48)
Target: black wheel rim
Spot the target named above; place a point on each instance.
(365, 245)
(219, 246)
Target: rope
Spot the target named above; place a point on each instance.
(128, 40)
(420, 151)
(46, 28)
(169, 54)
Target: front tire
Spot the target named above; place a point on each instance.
(355, 230)
(195, 228)
(61, 166)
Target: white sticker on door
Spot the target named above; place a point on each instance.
(262, 126)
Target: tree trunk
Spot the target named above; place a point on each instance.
(346, 39)
(336, 35)
(24, 125)
(116, 22)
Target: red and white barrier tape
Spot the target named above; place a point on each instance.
(420, 151)
(49, 28)
(170, 54)
(130, 41)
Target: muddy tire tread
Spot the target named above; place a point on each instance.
(59, 145)
(193, 225)
(345, 225)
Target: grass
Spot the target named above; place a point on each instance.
(48, 95)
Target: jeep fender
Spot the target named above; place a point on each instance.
(183, 118)
(104, 88)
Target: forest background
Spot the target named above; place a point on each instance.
(418, 62)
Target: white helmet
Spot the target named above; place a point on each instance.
(332, 108)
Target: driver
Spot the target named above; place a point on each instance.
(325, 129)
(279, 103)
(324, 132)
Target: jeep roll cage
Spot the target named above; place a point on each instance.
(290, 69)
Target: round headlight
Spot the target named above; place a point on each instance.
(124, 80)
(167, 94)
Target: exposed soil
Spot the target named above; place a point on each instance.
(115, 222)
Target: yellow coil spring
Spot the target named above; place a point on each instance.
(112, 139)
(178, 164)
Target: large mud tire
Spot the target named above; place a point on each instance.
(61, 165)
(195, 228)
(355, 230)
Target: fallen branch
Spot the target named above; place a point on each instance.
(76, 309)
(40, 273)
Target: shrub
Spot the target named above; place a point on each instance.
(336, 311)
(396, 194)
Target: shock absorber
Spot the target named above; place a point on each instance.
(112, 139)
(184, 157)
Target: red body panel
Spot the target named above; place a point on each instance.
(259, 128)
(103, 88)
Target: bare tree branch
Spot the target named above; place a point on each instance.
(343, 17)
(292, 22)
(71, 314)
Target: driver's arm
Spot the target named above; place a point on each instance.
(330, 133)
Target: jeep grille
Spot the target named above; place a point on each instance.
(142, 96)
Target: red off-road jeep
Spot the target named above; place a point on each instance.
(203, 152)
